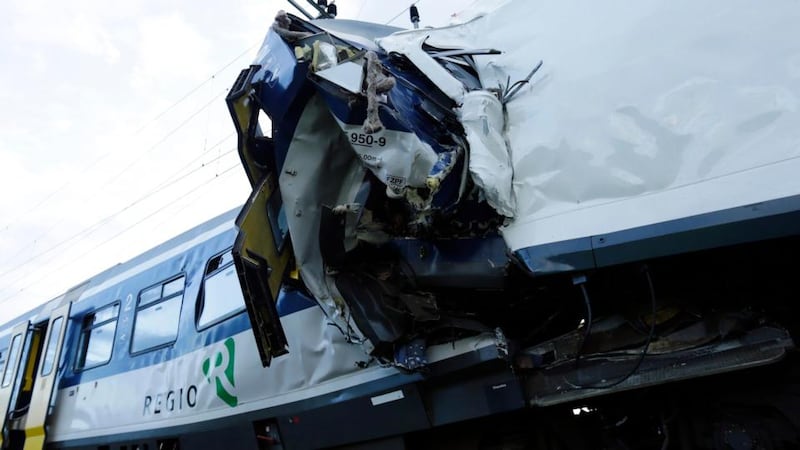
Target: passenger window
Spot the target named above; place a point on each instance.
(52, 342)
(150, 295)
(158, 314)
(221, 296)
(12, 356)
(97, 337)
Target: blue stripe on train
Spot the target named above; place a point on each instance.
(289, 302)
(747, 223)
(191, 264)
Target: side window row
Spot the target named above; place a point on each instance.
(158, 311)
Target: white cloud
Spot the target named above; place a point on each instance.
(91, 37)
(170, 49)
(73, 31)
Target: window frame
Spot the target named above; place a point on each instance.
(47, 348)
(83, 329)
(201, 295)
(9, 360)
(151, 304)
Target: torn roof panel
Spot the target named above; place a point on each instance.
(642, 112)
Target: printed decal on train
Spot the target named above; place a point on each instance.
(223, 378)
(218, 370)
(170, 401)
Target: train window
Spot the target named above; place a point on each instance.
(52, 342)
(12, 356)
(157, 316)
(173, 287)
(97, 337)
(150, 295)
(221, 296)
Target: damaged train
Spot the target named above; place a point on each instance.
(544, 226)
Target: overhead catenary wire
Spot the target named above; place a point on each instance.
(92, 228)
(52, 194)
(130, 165)
(217, 145)
(196, 190)
(360, 9)
(49, 196)
(401, 12)
(164, 138)
(195, 89)
(168, 181)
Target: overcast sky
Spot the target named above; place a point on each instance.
(114, 135)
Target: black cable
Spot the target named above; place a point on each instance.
(588, 330)
(643, 354)
(512, 89)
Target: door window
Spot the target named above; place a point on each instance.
(52, 343)
(12, 357)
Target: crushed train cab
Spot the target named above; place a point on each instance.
(614, 199)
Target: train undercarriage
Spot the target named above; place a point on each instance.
(713, 366)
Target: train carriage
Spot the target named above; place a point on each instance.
(158, 353)
(452, 245)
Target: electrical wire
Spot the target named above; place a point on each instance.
(511, 90)
(100, 158)
(646, 346)
(168, 181)
(130, 227)
(89, 230)
(107, 219)
(110, 180)
(361, 9)
(52, 194)
(195, 190)
(401, 12)
(588, 321)
(163, 139)
(195, 89)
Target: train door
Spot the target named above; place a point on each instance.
(44, 384)
(262, 252)
(8, 377)
(28, 379)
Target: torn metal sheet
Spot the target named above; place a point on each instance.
(311, 158)
(653, 104)
(527, 139)
(490, 161)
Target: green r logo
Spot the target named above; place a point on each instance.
(222, 372)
